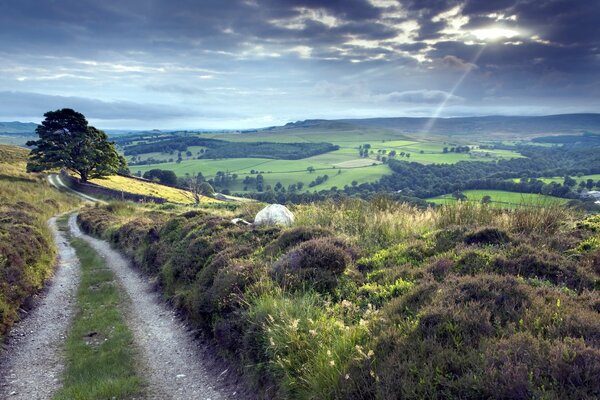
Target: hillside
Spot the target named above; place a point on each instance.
(518, 125)
(380, 300)
(15, 127)
(27, 252)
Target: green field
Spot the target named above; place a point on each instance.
(501, 198)
(560, 179)
(342, 166)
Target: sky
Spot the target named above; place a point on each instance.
(235, 64)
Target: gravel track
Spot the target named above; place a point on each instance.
(172, 361)
(33, 361)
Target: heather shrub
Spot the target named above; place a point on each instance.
(317, 264)
(292, 237)
(487, 236)
(460, 302)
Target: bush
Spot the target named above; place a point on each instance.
(317, 263)
(292, 237)
(487, 236)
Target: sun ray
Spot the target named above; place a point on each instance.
(431, 122)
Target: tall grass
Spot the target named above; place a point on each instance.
(380, 224)
(307, 342)
(374, 225)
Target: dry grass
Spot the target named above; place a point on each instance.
(379, 224)
(174, 195)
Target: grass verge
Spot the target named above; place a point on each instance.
(100, 358)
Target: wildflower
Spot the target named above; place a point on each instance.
(332, 363)
(329, 353)
(347, 376)
(372, 373)
(294, 325)
(370, 354)
(270, 318)
(312, 332)
(272, 341)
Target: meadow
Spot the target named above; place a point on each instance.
(501, 198)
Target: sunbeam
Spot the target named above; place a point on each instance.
(431, 122)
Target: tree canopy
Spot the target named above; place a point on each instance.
(67, 141)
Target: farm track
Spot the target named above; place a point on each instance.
(32, 363)
(175, 365)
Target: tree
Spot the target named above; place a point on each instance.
(166, 177)
(486, 199)
(458, 195)
(198, 187)
(67, 141)
(310, 169)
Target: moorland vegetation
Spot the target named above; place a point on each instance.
(379, 299)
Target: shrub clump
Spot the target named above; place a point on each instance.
(292, 237)
(487, 236)
(317, 263)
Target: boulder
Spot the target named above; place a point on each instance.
(274, 214)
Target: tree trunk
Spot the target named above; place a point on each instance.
(84, 176)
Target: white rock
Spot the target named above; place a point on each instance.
(274, 214)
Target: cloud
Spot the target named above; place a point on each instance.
(457, 63)
(377, 52)
(175, 89)
(421, 97)
(36, 104)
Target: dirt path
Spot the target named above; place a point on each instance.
(172, 361)
(32, 364)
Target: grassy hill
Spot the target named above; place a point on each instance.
(147, 188)
(366, 300)
(26, 247)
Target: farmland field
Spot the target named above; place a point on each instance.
(500, 198)
(560, 179)
(343, 166)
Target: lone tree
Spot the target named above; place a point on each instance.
(66, 141)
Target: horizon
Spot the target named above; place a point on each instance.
(201, 129)
(247, 64)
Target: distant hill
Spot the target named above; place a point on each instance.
(549, 124)
(17, 128)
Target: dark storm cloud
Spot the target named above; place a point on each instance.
(247, 54)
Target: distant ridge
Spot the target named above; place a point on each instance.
(547, 124)
(17, 128)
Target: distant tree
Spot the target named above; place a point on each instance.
(445, 150)
(570, 182)
(310, 169)
(67, 141)
(188, 153)
(486, 199)
(163, 176)
(458, 195)
(589, 184)
(300, 185)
